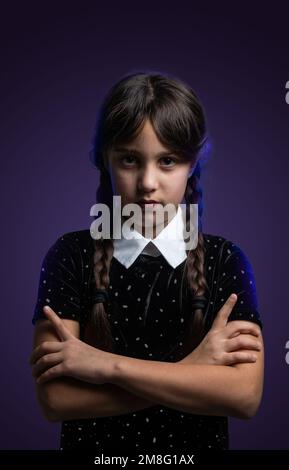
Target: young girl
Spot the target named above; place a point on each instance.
(139, 344)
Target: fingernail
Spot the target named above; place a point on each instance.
(233, 296)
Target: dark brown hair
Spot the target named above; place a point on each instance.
(178, 120)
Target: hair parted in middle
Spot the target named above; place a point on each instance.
(177, 117)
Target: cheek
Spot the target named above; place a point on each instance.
(177, 189)
(123, 185)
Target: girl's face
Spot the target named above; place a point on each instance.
(145, 169)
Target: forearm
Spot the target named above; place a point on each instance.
(66, 399)
(200, 389)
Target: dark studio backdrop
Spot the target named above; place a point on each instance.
(57, 63)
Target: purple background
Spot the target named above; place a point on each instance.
(56, 66)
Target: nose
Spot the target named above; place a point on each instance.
(147, 179)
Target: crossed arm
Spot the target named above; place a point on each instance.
(136, 384)
(67, 398)
(194, 388)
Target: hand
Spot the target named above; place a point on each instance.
(227, 343)
(69, 357)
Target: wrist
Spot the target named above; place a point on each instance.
(191, 358)
(114, 371)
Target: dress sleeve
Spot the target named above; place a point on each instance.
(235, 275)
(60, 285)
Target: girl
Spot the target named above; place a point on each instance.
(140, 344)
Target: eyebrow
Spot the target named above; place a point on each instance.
(137, 152)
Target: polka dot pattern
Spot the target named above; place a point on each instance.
(148, 310)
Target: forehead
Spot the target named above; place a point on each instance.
(144, 143)
(137, 151)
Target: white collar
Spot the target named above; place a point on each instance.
(169, 242)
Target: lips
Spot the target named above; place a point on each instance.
(149, 201)
(148, 206)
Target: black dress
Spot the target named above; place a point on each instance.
(148, 312)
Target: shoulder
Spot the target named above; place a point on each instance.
(226, 249)
(217, 241)
(213, 242)
(228, 269)
(65, 276)
(78, 238)
(75, 243)
(228, 260)
(71, 252)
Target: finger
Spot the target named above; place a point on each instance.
(237, 327)
(238, 357)
(223, 314)
(61, 329)
(50, 374)
(243, 342)
(45, 362)
(45, 348)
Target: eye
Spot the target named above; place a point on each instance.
(173, 160)
(129, 159)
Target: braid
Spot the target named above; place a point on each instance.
(103, 251)
(98, 331)
(194, 266)
(195, 260)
